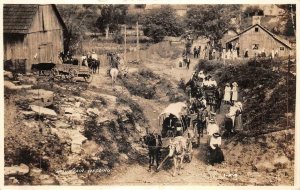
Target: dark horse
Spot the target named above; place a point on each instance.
(94, 65)
(68, 59)
(154, 143)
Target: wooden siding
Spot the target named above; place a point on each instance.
(44, 38)
(263, 39)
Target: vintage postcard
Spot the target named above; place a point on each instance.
(149, 94)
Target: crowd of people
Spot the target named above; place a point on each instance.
(205, 101)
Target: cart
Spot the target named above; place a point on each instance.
(70, 72)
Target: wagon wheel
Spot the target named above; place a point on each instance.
(88, 78)
(72, 74)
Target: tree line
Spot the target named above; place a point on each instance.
(203, 20)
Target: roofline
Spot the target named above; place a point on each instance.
(270, 33)
(59, 17)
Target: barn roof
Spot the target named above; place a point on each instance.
(282, 41)
(17, 18)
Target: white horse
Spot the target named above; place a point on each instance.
(114, 74)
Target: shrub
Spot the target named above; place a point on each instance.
(118, 38)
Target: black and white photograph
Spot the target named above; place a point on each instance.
(149, 94)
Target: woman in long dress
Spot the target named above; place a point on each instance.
(215, 153)
(238, 117)
(234, 92)
(227, 93)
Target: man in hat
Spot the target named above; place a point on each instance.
(94, 55)
(212, 127)
(202, 118)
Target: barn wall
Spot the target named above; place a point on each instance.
(14, 48)
(264, 40)
(51, 35)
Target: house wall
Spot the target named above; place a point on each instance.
(264, 41)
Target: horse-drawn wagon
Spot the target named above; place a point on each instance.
(70, 72)
(176, 136)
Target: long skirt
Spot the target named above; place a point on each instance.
(238, 123)
(227, 96)
(215, 155)
(228, 124)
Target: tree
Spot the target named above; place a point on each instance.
(162, 22)
(111, 16)
(253, 10)
(211, 20)
(78, 19)
(289, 29)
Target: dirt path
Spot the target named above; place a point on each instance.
(196, 172)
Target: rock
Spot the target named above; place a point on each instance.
(13, 181)
(76, 148)
(12, 86)
(264, 166)
(47, 180)
(93, 111)
(76, 118)
(27, 79)
(69, 111)
(43, 111)
(71, 99)
(95, 158)
(77, 104)
(61, 124)
(16, 170)
(123, 157)
(35, 172)
(41, 97)
(28, 114)
(80, 99)
(281, 162)
(8, 75)
(104, 162)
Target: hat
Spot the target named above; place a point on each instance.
(211, 120)
(227, 84)
(216, 135)
(234, 84)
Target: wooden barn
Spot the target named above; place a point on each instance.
(257, 39)
(32, 32)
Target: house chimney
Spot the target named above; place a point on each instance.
(256, 20)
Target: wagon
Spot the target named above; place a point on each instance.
(70, 72)
(174, 122)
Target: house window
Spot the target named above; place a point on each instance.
(281, 48)
(256, 29)
(255, 46)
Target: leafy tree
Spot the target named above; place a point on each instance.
(253, 10)
(211, 20)
(162, 22)
(289, 30)
(111, 16)
(78, 19)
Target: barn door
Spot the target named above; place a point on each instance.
(46, 53)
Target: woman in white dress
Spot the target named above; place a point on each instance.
(227, 94)
(234, 92)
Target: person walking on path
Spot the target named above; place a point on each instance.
(238, 117)
(234, 92)
(227, 93)
(215, 154)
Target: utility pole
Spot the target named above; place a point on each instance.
(137, 40)
(125, 58)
